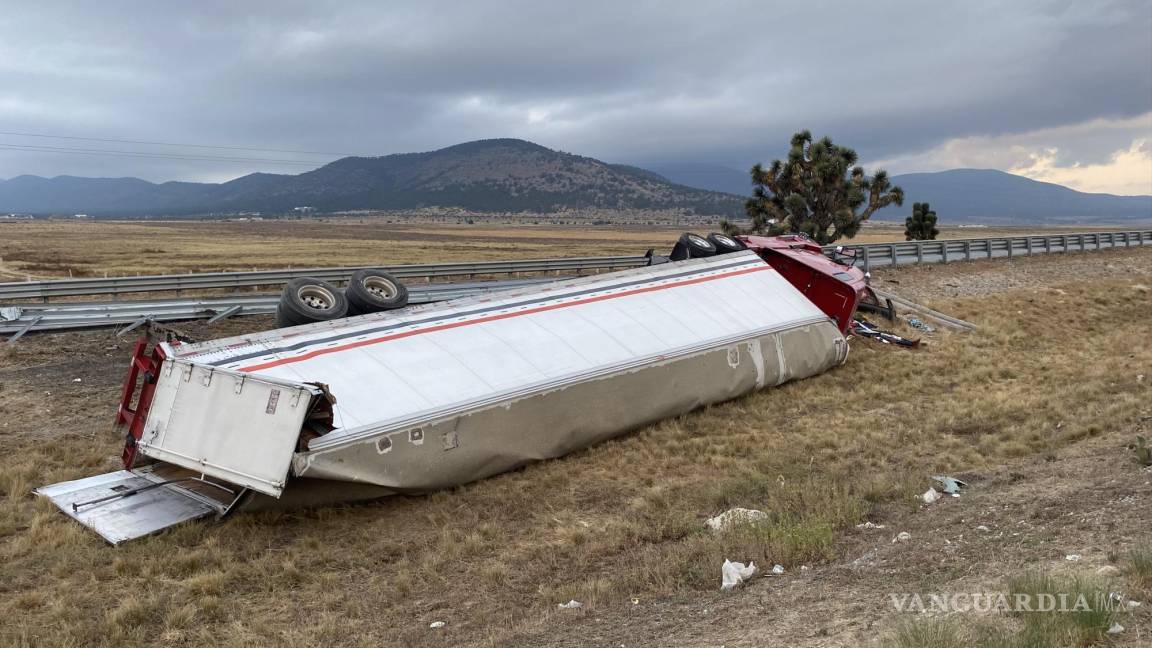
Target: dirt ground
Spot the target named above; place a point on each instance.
(1034, 410)
(1032, 514)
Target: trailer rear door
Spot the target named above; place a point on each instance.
(233, 426)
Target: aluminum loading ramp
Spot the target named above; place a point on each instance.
(444, 394)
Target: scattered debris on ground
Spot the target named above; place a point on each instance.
(733, 517)
(919, 325)
(950, 485)
(735, 573)
(865, 329)
(930, 496)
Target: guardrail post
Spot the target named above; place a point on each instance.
(1082, 248)
(1097, 238)
(1011, 244)
(1063, 242)
(919, 251)
(967, 250)
(943, 251)
(1028, 246)
(988, 247)
(867, 260)
(892, 253)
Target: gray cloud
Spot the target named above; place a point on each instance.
(723, 82)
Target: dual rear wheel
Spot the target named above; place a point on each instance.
(305, 300)
(694, 246)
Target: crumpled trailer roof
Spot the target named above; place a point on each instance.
(448, 393)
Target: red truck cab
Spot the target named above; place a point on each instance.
(836, 288)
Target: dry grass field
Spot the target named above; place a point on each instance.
(1034, 410)
(59, 248)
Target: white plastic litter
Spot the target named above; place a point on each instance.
(570, 605)
(1116, 629)
(930, 496)
(735, 573)
(435, 625)
(777, 569)
(1072, 557)
(982, 528)
(903, 536)
(733, 517)
(1132, 605)
(77, 380)
(869, 525)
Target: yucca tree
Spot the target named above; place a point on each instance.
(817, 191)
(921, 225)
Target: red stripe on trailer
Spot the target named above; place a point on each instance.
(491, 318)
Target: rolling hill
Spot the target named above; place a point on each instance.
(996, 197)
(706, 176)
(502, 175)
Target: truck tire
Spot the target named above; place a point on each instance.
(691, 246)
(726, 244)
(305, 300)
(284, 320)
(372, 291)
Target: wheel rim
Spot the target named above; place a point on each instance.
(725, 240)
(317, 297)
(380, 287)
(699, 242)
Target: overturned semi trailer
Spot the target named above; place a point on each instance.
(444, 394)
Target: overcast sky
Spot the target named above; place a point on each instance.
(1059, 91)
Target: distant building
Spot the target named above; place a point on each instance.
(304, 211)
(81, 216)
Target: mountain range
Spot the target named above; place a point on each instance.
(486, 175)
(510, 175)
(960, 195)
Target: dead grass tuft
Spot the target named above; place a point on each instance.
(933, 633)
(1139, 568)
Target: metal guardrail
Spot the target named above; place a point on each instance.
(77, 315)
(86, 287)
(870, 255)
(874, 255)
(18, 319)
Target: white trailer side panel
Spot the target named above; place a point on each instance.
(488, 374)
(387, 367)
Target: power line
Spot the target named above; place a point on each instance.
(26, 148)
(202, 146)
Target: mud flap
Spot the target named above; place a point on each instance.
(128, 504)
